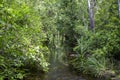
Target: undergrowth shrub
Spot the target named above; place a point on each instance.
(11, 69)
(96, 51)
(21, 36)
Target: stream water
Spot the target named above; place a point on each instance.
(60, 71)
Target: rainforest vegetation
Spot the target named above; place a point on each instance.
(85, 33)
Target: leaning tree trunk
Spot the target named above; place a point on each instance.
(90, 12)
(119, 8)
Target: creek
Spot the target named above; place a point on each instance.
(59, 68)
(60, 71)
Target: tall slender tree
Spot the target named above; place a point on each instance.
(91, 13)
(119, 7)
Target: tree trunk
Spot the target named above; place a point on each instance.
(90, 12)
(119, 8)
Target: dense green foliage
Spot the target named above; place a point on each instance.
(21, 40)
(98, 50)
(33, 32)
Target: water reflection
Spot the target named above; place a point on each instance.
(61, 72)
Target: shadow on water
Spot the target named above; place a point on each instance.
(60, 71)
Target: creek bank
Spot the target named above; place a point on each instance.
(105, 75)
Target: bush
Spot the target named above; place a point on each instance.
(96, 50)
(21, 37)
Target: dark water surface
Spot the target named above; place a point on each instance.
(60, 72)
